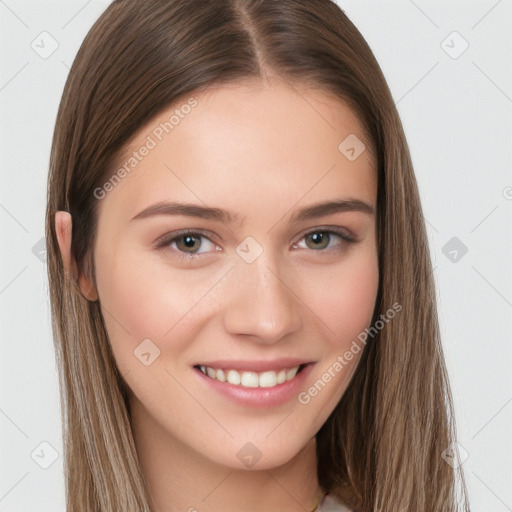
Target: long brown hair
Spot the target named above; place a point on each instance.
(380, 449)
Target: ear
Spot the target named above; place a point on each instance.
(63, 230)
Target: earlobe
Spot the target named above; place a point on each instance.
(63, 230)
(87, 287)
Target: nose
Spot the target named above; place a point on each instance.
(261, 304)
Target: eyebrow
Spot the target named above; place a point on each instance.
(226, 216)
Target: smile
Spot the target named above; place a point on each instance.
(251, 379)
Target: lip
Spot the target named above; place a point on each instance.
(258, 397)
(248, 365)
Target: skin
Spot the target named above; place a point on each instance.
(264, 152)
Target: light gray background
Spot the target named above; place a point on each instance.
(457, 117)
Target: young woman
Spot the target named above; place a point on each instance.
(242, 294)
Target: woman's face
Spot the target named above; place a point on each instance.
(266, 281)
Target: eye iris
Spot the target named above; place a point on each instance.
(318, 238)
(189, 241)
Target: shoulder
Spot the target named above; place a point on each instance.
(330, 503)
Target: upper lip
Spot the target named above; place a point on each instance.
(257, 366)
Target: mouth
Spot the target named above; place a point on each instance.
(252, 378)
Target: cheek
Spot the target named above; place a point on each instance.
(344, 300)
(142, 300)
(344, 297)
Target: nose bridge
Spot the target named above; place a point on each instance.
(261, 303)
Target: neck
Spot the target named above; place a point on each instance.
(181, 479)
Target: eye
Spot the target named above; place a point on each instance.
(320, 239)
(186, 242)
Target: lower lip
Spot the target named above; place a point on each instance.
(259, 397)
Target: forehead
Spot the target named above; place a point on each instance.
(247, 139)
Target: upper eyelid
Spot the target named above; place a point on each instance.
(167, 238)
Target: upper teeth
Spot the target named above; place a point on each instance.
(251, 379)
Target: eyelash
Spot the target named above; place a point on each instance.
(165, 240)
